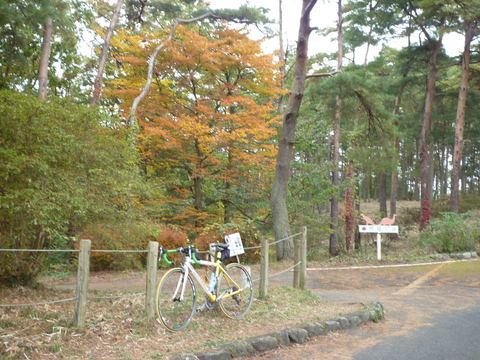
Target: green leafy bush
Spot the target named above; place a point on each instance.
(64, 166)
(453, 232)
(467, 202)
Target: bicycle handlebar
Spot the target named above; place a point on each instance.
(188, 251)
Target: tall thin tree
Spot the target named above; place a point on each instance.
(460, 119)
(44, 59)
(97, 90)
(434, 47)
(282, 52)
(336, 142)
(430, 20)
(281, 224)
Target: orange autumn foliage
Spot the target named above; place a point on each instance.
(207, 126)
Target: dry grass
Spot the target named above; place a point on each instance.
(119, 329)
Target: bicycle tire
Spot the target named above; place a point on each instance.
(173, 313)
(237, 305)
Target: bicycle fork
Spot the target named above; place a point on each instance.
(182, 282)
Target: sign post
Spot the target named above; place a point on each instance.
(378, 229)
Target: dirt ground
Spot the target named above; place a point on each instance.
(117, 328)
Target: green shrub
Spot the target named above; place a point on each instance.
(63, 166)
(453, 232)
(467, 202)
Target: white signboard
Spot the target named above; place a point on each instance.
(378, 229)
(235, 244)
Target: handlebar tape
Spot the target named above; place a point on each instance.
(185, 250)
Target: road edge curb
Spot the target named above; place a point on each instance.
(286, 337)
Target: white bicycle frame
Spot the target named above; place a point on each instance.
(189, 269)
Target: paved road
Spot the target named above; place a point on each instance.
(433, 312)
(449, 336)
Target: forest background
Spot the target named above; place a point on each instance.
(175, 130)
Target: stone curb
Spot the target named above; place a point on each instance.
(460, 256)
(286, 337)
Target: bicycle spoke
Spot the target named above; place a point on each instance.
(173, 310)
(236, 305)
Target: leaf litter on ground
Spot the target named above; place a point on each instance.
(118, 328)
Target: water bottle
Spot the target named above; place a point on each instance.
(212, 283)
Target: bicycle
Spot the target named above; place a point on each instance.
(176, 297)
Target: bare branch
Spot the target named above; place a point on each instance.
(151, 63)
(323, 74)
(309, 8)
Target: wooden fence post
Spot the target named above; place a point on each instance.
(152, 260)
(83, 274)
(263, 290)
(296, 260)
(303, 258)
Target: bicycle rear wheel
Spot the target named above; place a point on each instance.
(237, 305)
(173, 311)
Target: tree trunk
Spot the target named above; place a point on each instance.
(349, 201)
(336, 142)
(394, 175)
(336, 162)
(442, 169)
(425, 185)
(103, 57)
(349, 208)
(44, 60)
(370, 31)
(227, 206)
(281, 55)
(197, 193)
(396, 144)
(358, 234)
(382, 194)
(281, 223)
(394, 186)
(460, 120)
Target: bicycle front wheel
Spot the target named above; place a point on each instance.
(175, 299)
(236, 279)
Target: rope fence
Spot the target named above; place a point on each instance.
(280, 272)
(287, 238)
(121, 251)
(73, 250)
(299, 280)
(40, 303)
(71, 299)
(39, 250)
(300, 261)
(116, 297)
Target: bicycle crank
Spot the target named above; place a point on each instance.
(209, 305)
